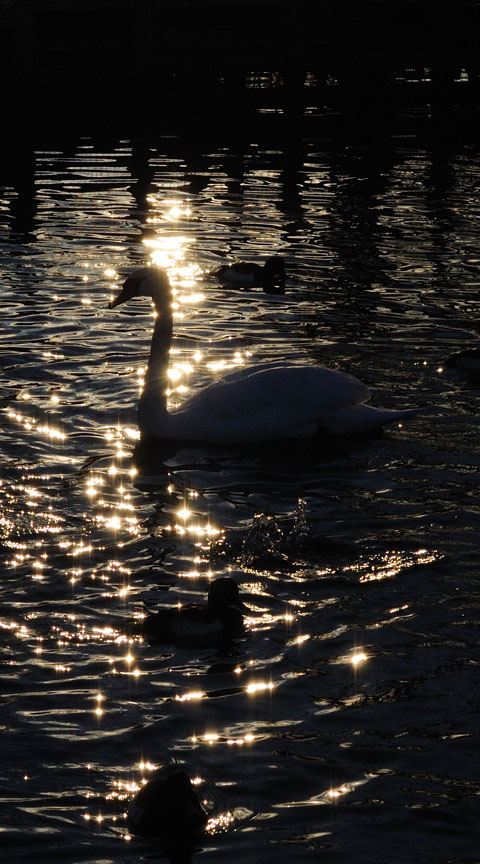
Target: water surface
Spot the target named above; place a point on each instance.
(344, 723)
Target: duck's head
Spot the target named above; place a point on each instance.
(274, 275)
(225, 604)
(184, 801)
(170, 806)
(222, 595)
(146, 282)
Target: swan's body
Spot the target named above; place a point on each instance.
(270, 277)
(264, 402)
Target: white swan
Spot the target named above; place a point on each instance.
(265, 402)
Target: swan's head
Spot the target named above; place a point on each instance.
(146, 282)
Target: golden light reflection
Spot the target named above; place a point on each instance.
(239, 741)
(337, 793)
(331, 795)
(174, 375)
(169, 249)
(184, 513)
(122, 790)
(259, 686)
(191, 299)
(191, 574)
(216, 365)
(40, 521)
(98, 818)
(390, 564)
(31, 424)
(109, 492)
(399, 609)
(171, 208)
(52, 355)
(147, 766)
(214, 738)
(81, 549)
(354, 659)
(168, 252)
(77, 631)
(220, 823)
(199, 530)
(193, 695)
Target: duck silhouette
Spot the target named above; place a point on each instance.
(167, 806)
(468, 360)
(220, 618)
(270, 277)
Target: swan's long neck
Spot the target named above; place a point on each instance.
(156, 377)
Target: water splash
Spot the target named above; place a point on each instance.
(263, 542)
(301, 531)
(268, 543)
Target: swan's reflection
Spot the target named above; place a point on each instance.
(158, 463)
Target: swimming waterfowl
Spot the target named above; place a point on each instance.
(167, 806)
(220, 619)
(270, 277)
(264, 402)
(468, 360)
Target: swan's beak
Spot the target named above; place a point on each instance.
(120, 298)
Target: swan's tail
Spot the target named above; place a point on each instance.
(357, 419)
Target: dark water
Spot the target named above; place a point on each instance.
(344, 724)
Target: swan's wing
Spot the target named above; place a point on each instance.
(264, 402)
(282, 387)
(247, 371)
